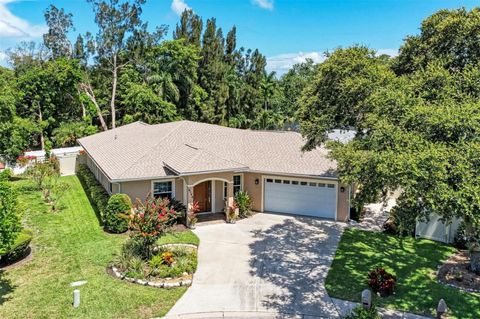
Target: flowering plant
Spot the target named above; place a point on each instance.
(381, 281)
(232, 213)
(192, 214)
(151, 219)
(24, 160)
(167, 258)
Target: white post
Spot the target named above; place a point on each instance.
(76, 298)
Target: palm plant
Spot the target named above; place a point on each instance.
(165, 86)
(268, 87)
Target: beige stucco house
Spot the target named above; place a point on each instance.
(207, 163)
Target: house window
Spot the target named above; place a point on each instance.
(237, 184)
(278, 181)
(225, 190)
(321, 185)
(303, 183)
(286, 182)
(269, 180)
(294, 182)
(331, 185)
(110, 187)
(313, 184)
(163, 189)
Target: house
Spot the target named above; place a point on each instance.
(209, 164)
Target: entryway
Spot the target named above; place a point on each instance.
(202, 194)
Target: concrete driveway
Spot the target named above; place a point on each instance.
(265, 264)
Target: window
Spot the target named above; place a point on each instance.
(237, 184)
(303, 183)
(331, 185)
(286, 182)
(278, 181)
(321, 185)
(313, 184)
(225, 190)
(110, 187)
(269, 180)
(163, 189)
(294, 182)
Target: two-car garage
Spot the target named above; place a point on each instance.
(302, 197)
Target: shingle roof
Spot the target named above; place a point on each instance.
(142, 151)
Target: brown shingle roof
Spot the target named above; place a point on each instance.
(142, 151)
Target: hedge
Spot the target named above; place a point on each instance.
(115, 219)
(19, 248)
(97, 194)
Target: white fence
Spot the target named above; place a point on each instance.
(437, 230)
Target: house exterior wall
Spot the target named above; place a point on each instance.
(99, 175)
(140, 189)
(343, 203)
(255, 191)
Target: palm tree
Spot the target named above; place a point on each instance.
(268, 87)
(165, 86)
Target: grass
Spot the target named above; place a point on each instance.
(413, 261)
(70, 245)
(183, 237)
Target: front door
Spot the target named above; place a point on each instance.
(202, 194)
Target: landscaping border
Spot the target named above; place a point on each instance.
(166, 283)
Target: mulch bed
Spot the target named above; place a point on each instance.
(455, 272)
(4, 264)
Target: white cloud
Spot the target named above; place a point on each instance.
(283, 62)
(3, 59)
(12, 26)
(178, 6)
(264, 4)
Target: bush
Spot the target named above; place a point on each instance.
(461, 238)
(6, 175)
(10, 224)
(360, 313)
(19, 249)
(97, 194)
(115, 219)
(244, 204)
(381, 281)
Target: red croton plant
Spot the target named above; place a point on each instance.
(381, 281)
(151, 219)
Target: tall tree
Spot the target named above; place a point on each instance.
(268, 87)
(189, 28)
(116, 21)
(336, 96)
(56, 39)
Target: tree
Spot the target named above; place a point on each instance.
(56, 39)
(448, 35)
(189, 29)
(116, 22)
(336, 96)
(10, 225)
(68, 133)
(268, 87)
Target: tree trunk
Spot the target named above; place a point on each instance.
(84, 111)
(89, 92)
(475, 261)
(114, 90)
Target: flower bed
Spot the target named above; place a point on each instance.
(455, 272)
(171, 265)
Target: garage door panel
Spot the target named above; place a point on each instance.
(300, 199)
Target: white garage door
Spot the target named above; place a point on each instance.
(300, 197)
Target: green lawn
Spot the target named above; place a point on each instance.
(413, 261)
(69, 246)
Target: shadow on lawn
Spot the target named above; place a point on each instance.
(6, 287)
(295, 257)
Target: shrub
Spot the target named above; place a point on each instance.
(115, 219)
(19, 249)
(6, 175)
(40, 172)
(381, 281)
(361, 313)
(462, 239)
(244, 204)
(151, 220)
(10, 224)
(96, 193)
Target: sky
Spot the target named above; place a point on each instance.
(287, 32)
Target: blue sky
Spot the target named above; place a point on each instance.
(285, 31)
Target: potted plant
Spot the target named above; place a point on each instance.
(192, 215)
(232, 214)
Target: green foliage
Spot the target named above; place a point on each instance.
(361, 313)
(68, 133)
(115, 219)
(96, 193)
(6, 175)
(413, 261)
(41, 172)
(10, 224)
(336, 97)
(19, 248)
(244, 204)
